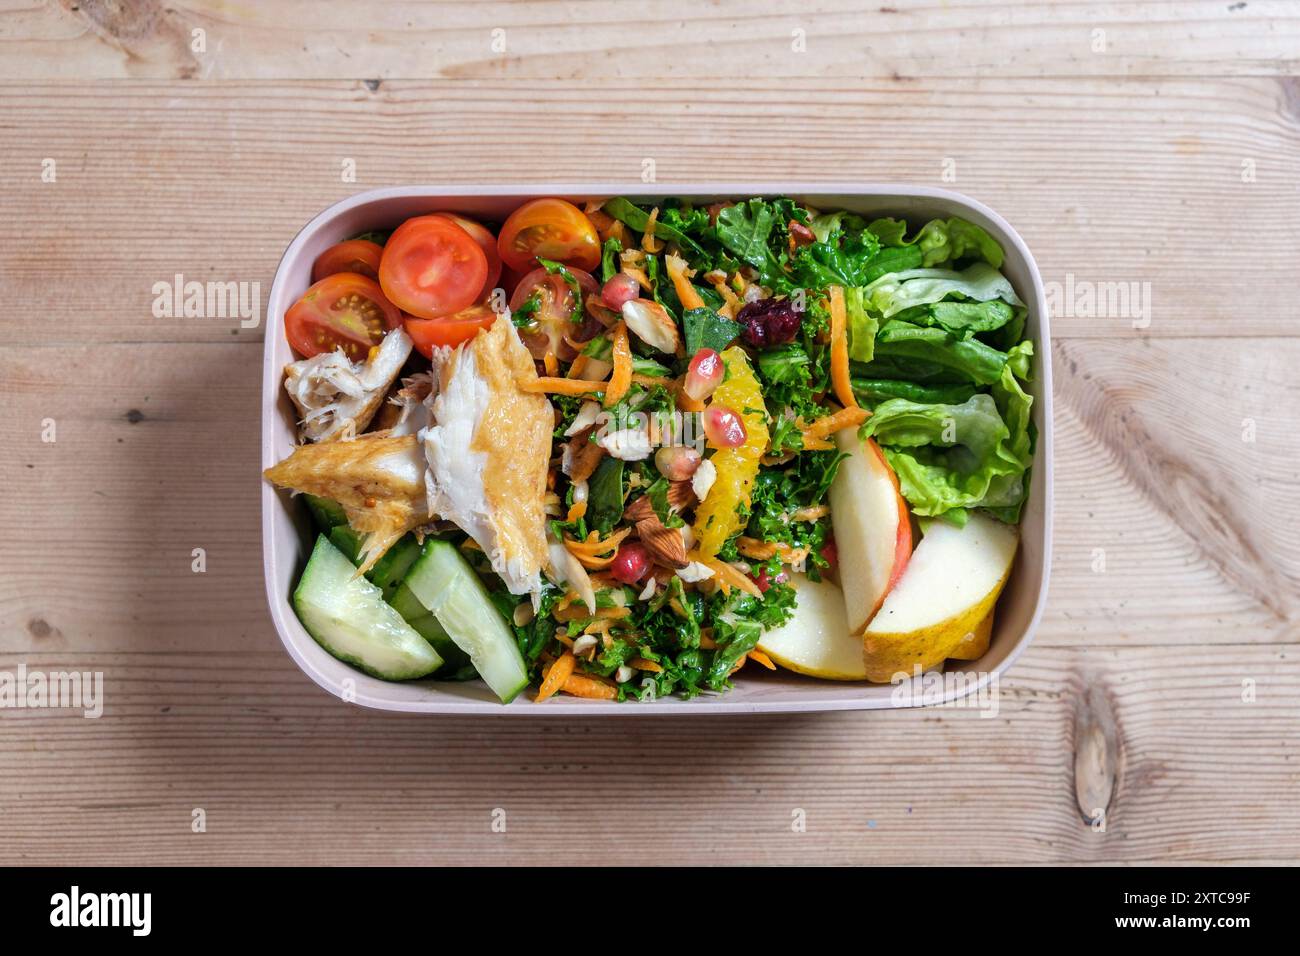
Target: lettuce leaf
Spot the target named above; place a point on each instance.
(930, 354)
(872, 391)
(948, 240)
(960, 318)
(980, 282)
(862, 326)
(950, 457)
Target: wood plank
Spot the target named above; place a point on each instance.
(1109, 182)
(1151, 469)
(651, 39)
(286, 774)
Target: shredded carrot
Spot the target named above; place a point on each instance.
(830, 424)
(759, 657)
(817, 444)
(738, 665)
(651, 380)
(649, 243)
(639, 275)
(580, 685)
(579, 612)
(755, 549)
(557, 675)
(718, 279)
(621, 378)
(725, 576)
(549, 363)
(681, 277)
(576, 511)
(579, 363)
(810, 513)
(563, 386)
(641, 664)
(840, 350)
(469, 544)
(596, 553)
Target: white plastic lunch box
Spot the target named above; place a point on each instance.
(286, 526)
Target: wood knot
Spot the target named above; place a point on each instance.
(1096, 755)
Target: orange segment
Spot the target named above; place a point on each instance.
(716, 519)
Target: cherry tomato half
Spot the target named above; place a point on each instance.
(355, 255)
(431, 267)
(343, 310)
(487, 242)
(429, 334)
(552, 229)
(557, 311)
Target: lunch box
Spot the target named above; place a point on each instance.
(287, 533)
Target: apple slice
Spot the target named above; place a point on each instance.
(873, 536)
(939, 604)
(816, 640)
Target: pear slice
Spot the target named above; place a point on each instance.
(951, 583)
(816, 640)
(873, 536)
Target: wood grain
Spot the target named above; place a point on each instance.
(1108, 182)
(1162, 687)
(157, 453)
(286, 774)
(648, 39)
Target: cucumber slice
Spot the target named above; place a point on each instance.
(444, 583)
(347, 615)
(390, 569)
(418, 616)
(325, 512)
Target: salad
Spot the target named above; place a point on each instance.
(629, 450)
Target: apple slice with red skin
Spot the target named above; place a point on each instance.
(873, 534)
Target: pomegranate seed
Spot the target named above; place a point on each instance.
(619, 289)
(830, 553)
(723, 427)
(764, 582)
(677, 462)
(631, 562)
(703, 375)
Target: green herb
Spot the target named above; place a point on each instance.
(706, 329)
(558, 268)
(605, 495)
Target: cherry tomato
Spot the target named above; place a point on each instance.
(432, 267)
(355, 255)
(487, 242)
(557, 311)
(429, 334)
(551, 229)
(343, 310)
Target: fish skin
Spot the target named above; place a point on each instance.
(377, 479)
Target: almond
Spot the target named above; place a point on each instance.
(664, 544)
(680, 496)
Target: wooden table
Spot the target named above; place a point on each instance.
(1156, 143)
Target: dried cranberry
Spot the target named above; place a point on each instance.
(769, 322)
